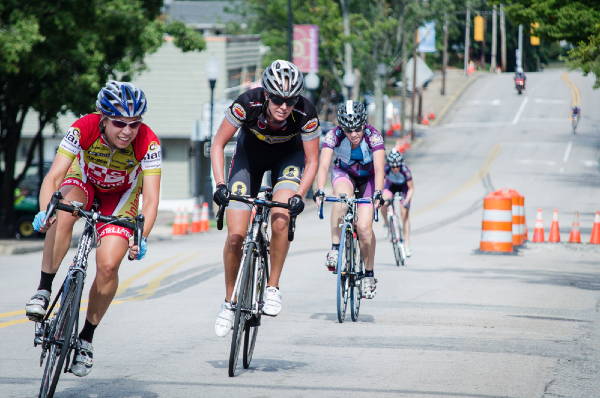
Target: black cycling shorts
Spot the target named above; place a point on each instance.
(253, 158)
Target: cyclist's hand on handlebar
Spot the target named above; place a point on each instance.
(296, 205)
(221, 195)
(378, 200)
(138, 252)
(39, 220)
(318, 196)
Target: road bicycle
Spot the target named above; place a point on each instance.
(247, 297)
(574, 121)
(56, 333)
(350, 266)
(395, 229)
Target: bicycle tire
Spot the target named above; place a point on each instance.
(574, 123)
(355, 293)
(239, 323)
(63, 329)
(343, 275)
(394, 240)
(401, 248)
(252, 329)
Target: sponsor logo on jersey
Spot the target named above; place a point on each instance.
(239, 111)
(311, 125)
(376, 139)
(330, 139)
(260, 124)
(291, 172)
(238, 188)
(73, 135)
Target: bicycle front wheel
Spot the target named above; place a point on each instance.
(244, 302)
(356, 274)
(61, 336)
(343, 276)
(252, 325)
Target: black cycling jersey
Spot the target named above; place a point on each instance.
(248, 112)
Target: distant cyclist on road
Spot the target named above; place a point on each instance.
(111, 156)
(278, 132)
(398, 178)
(359, 163)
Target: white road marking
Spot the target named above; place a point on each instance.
(496, 102)
(549, 101)
(544, 162)
(567, 151)
(520, 111)
(590, 163)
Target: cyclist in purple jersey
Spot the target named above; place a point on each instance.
(359, 164)
(398, 178)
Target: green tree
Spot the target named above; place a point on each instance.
(55, 56)
(575, 21)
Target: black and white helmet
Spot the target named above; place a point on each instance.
(352, 115)
(121, 99)
(395, 159)
(283, 78)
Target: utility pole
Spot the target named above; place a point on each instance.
(445, 56)
(494, 44)
(290, 32)
(347, 48)
(519, 57)
(467, 37)
(414, 87)
(404, 81)
(502, 38)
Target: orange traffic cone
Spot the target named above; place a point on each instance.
(177, 223)
(554, 236)
(575, 235)
(595, 237)
(538, 231)
(425, 121)
(204, 218)
(196, 223)
(431, 116)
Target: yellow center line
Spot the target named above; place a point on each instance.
(494, 152)
(575, 93)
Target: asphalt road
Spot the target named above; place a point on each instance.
(453, 323)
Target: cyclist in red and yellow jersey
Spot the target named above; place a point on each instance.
(111, 156)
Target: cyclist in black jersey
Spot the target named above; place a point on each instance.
(278, 132)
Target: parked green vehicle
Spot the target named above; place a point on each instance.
(26, 203)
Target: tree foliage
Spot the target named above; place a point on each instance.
(576, 22)
(55, 56)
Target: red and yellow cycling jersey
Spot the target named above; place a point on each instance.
(107, 169)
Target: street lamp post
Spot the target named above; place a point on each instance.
(349, 84)
(311, 82)
(212, 72)
(379, 106)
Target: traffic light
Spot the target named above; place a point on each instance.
(534, 40)
(478, 27)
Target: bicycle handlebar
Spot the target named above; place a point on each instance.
(262, 202)
(348, 201)
(137, 226)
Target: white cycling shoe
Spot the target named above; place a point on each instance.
(224, 321)
(272, 305)
(84, 359)
(368, 286)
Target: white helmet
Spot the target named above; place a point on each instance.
(283, 78)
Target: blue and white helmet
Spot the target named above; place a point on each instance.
(395, 159)
(121, 99)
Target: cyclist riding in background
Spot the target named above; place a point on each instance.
(575, 111)
(111, 156)
(519, 74)
(278, 132)
(398, 178)
(359, 164)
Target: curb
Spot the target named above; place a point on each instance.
(455, 97)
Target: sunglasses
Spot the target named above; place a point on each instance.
(121, 124)
(349, 131)
(290, 101)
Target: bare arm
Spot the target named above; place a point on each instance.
(53, 179)
(324, 163)
(411, 191)
(217, 150)
(311, 160)
(151, 196)
(379, 165)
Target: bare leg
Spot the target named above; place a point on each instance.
(279, 240)
(406, 225)
(237, 225)
(108, 260)
(341, 186)
(364, 228)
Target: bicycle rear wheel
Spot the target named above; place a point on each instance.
(395, 241)
(356, 274)
(241, 308)
(253, 323)
(61, 336)
(343, 275)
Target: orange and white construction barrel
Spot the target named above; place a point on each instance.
(497, 226)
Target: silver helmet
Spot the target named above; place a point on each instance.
(395, 159)
(283, 78)
(352, 115)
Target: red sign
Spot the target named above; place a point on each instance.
(306, 48)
